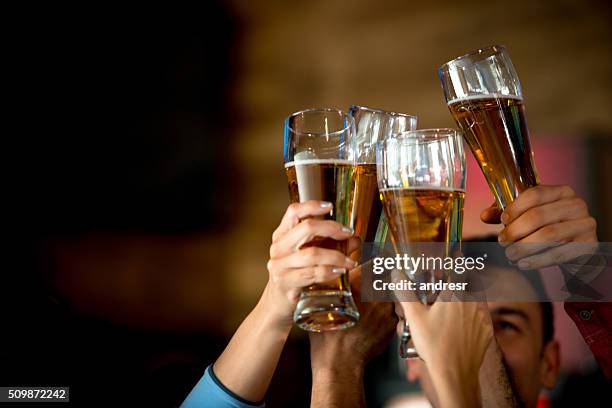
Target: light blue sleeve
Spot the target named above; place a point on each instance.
(209, 392)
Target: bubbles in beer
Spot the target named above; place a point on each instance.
(495, 128)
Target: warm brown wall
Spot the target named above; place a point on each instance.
(385, 54)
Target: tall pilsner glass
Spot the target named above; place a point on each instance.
(319, 154)
(372, 126)
(422, 176)
(484, 96)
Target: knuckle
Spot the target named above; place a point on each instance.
(524, 201)
(550, 233)
(270, 265)
(532, 195)
(513, 253)
(535, 216)
(511, 231)
(591, 223)
(293, 208)
(273, 251)
(579, 206)
(566, 191)
(308, 225)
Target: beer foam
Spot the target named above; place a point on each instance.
(484, 96)
(305, 155)
(429, 188)
(319, 161)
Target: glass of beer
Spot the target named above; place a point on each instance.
(484, 96)
(421, 177)
(372, 126)
(319, 154)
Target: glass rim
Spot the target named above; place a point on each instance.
(430, 134)
(311, 110)
(420, 136)
(377, 110)
(495, 48)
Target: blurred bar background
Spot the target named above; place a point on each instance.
(147, 175)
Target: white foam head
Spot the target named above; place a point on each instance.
(435, 188)
(298, 162)
(305, 155)
(484, 96)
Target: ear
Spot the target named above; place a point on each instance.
(413, 369)
(550, 363)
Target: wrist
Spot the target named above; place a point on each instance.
(270, 316)
(337, 386)
(456, 388)
(331, 361)
(338, 373)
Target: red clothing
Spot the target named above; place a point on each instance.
(594, 320)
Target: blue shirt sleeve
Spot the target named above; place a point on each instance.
(209, 392)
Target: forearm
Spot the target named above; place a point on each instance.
(337, 387)
(248, 362)
(495, 387)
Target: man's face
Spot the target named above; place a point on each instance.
(518, 330)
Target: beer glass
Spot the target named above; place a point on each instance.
(319, 154)
(484, 96)
(372, 126)
(421, 177)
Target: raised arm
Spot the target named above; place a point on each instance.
(451, 338)
(557, 222)
(245, 368)
(338, 358)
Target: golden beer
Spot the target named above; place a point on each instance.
(324, 180)
(496, 131)
(366, 208)
(423, 215)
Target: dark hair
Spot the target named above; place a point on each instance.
(498, 258)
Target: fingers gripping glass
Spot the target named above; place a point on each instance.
(319, 155)
(421, 177)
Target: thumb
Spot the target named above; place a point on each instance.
(491, 215)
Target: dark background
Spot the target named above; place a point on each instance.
(123, 124)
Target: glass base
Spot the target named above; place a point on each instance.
(406, 347)
(327, 310)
